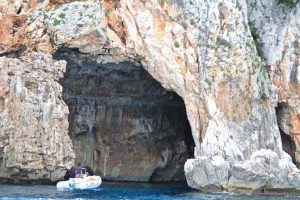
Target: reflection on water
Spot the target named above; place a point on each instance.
(123, 191)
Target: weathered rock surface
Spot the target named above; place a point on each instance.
(12, 27)
(214, 65)
(241, 136)
(34, 141)
(231, 62)
(277, 31)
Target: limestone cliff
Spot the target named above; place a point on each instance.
(234, 64)
(34, 144)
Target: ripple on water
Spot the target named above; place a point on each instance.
(123, 191)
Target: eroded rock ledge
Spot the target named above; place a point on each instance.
(231, 62)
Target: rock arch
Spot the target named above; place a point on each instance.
(122, 122)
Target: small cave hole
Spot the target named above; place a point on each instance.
(19, 10)
(283, 114)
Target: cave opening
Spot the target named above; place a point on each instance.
(122, 122)
(288, 145)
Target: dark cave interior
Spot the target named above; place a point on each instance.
(123, 123)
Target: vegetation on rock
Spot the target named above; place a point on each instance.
(289, 3)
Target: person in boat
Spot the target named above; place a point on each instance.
(78, 171)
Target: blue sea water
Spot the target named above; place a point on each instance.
(124, 192)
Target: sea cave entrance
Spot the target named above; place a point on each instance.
(283, 112)
(122, 122)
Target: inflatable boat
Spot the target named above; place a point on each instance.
(84, 182)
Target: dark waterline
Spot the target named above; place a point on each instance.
(123, 191)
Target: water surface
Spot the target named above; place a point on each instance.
(109, 191)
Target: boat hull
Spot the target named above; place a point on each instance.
(89, 182)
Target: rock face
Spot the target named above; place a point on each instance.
(122, 122)
(12, 27)
(216, 67)
(279, 41)
(34, 141)
(232, 62)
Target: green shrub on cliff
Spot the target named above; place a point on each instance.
(162, 2)
(62, 15)
(289, 3)
(56, 22)
(208, 82)
(223, 42)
